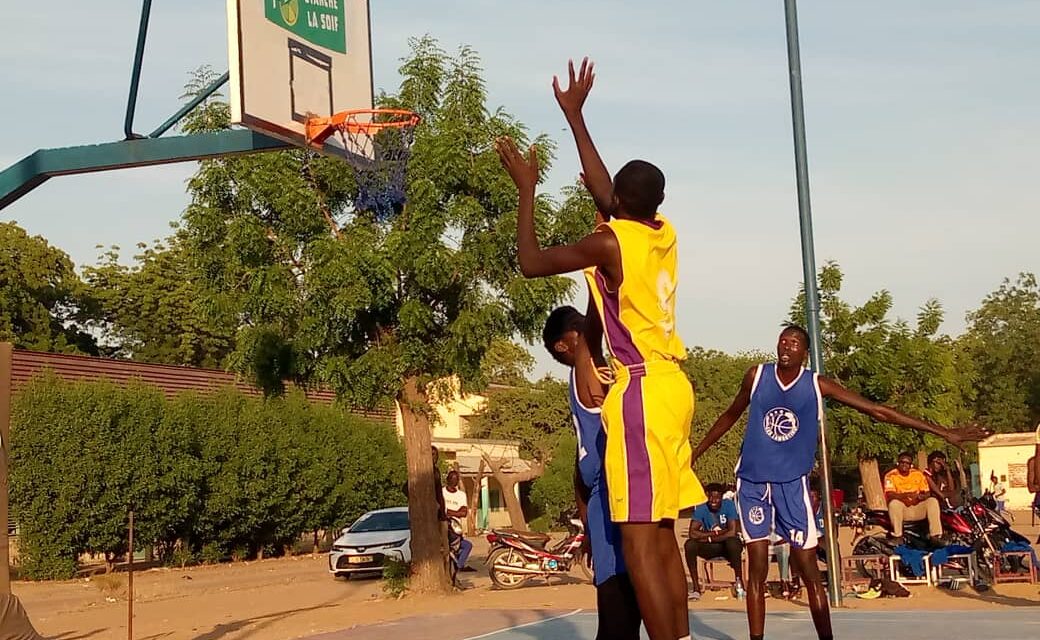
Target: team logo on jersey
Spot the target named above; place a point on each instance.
(780, 424)
(756, 515)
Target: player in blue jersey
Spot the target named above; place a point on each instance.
(785, 401)
(619, 617)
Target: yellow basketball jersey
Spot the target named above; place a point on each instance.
(639, 318)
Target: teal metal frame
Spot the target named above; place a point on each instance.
(135, 150)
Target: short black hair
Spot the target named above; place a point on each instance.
(906, 454)
(639, 188)
(790, 326)
(935, 455)
(559, 322)
(714, 486)
(454, 472)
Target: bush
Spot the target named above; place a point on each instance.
(208, 476)
(395, 577)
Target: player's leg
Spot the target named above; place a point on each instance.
(754, 505)
(804, 561)
(671, 562)
(618, 610)
(796, 522)
(644, 557)
(758, 570)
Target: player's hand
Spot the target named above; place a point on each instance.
(573, 98)
(968, 433)
(523, 171)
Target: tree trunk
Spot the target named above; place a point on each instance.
(429, 570)
(507, 483)
(314, 549)
(472, 496)
(922, 459)
(871, 479)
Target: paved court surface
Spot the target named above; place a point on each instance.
(990, 624)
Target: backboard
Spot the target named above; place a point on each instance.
(294, 59)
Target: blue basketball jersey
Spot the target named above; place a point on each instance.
(783, 427)
(592, 440)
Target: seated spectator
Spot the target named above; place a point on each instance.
(909, 499)
(940, 480)
(713, 534)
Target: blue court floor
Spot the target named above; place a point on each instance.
(992, 624)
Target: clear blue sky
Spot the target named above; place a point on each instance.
(922, 129)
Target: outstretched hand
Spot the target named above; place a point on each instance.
(523, 171)
(968, 433)
(573, 98)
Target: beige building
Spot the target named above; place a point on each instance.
(453, 410)
(1006, 454)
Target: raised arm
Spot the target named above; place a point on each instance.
(598, 249)
(729, 417)
(882, 413)
(594, 172)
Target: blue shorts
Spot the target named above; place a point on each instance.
(604, 537)
(781, 507)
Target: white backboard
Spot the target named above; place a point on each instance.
(292, 59)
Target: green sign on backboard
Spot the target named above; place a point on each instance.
(320, 22)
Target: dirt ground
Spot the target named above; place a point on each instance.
(296, 597)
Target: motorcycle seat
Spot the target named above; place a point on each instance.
(532, 538)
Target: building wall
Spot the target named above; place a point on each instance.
(1010, 461)
(453, 411)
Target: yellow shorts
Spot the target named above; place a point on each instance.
(646, 416)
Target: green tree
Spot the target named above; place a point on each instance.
(506, 362)
(155, 310)
(378, 306)
(538, 417)
(552, 493)
(716, 377)
(1003, 341)
(43, 303)
(911, 368)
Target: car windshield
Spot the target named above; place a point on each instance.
(385, 521)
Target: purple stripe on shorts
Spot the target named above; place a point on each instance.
(618, 337)
(640, 480)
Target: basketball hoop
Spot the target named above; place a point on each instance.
(381, 140)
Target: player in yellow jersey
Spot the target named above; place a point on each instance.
(630, 261)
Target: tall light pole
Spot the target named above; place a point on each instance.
(812, 298)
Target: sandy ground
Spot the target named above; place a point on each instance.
(296, 597)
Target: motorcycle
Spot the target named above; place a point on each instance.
(972, 525)
(516, 557)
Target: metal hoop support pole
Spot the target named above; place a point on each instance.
(812, 298)
(135, 74)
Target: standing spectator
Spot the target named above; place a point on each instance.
(713, 534)
(909, 499)
(998, 490)
(455, 507)
(940, 480)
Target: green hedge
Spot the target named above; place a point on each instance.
(228, 473)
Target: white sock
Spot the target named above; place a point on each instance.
(686, 637)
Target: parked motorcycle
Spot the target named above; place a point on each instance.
(972, 525)
(519, 556)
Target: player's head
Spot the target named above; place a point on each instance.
(937, 460)
(905, 462)
(714, 491)
(792, 346)
(562, 331)
(452, 479)
(638, 190)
